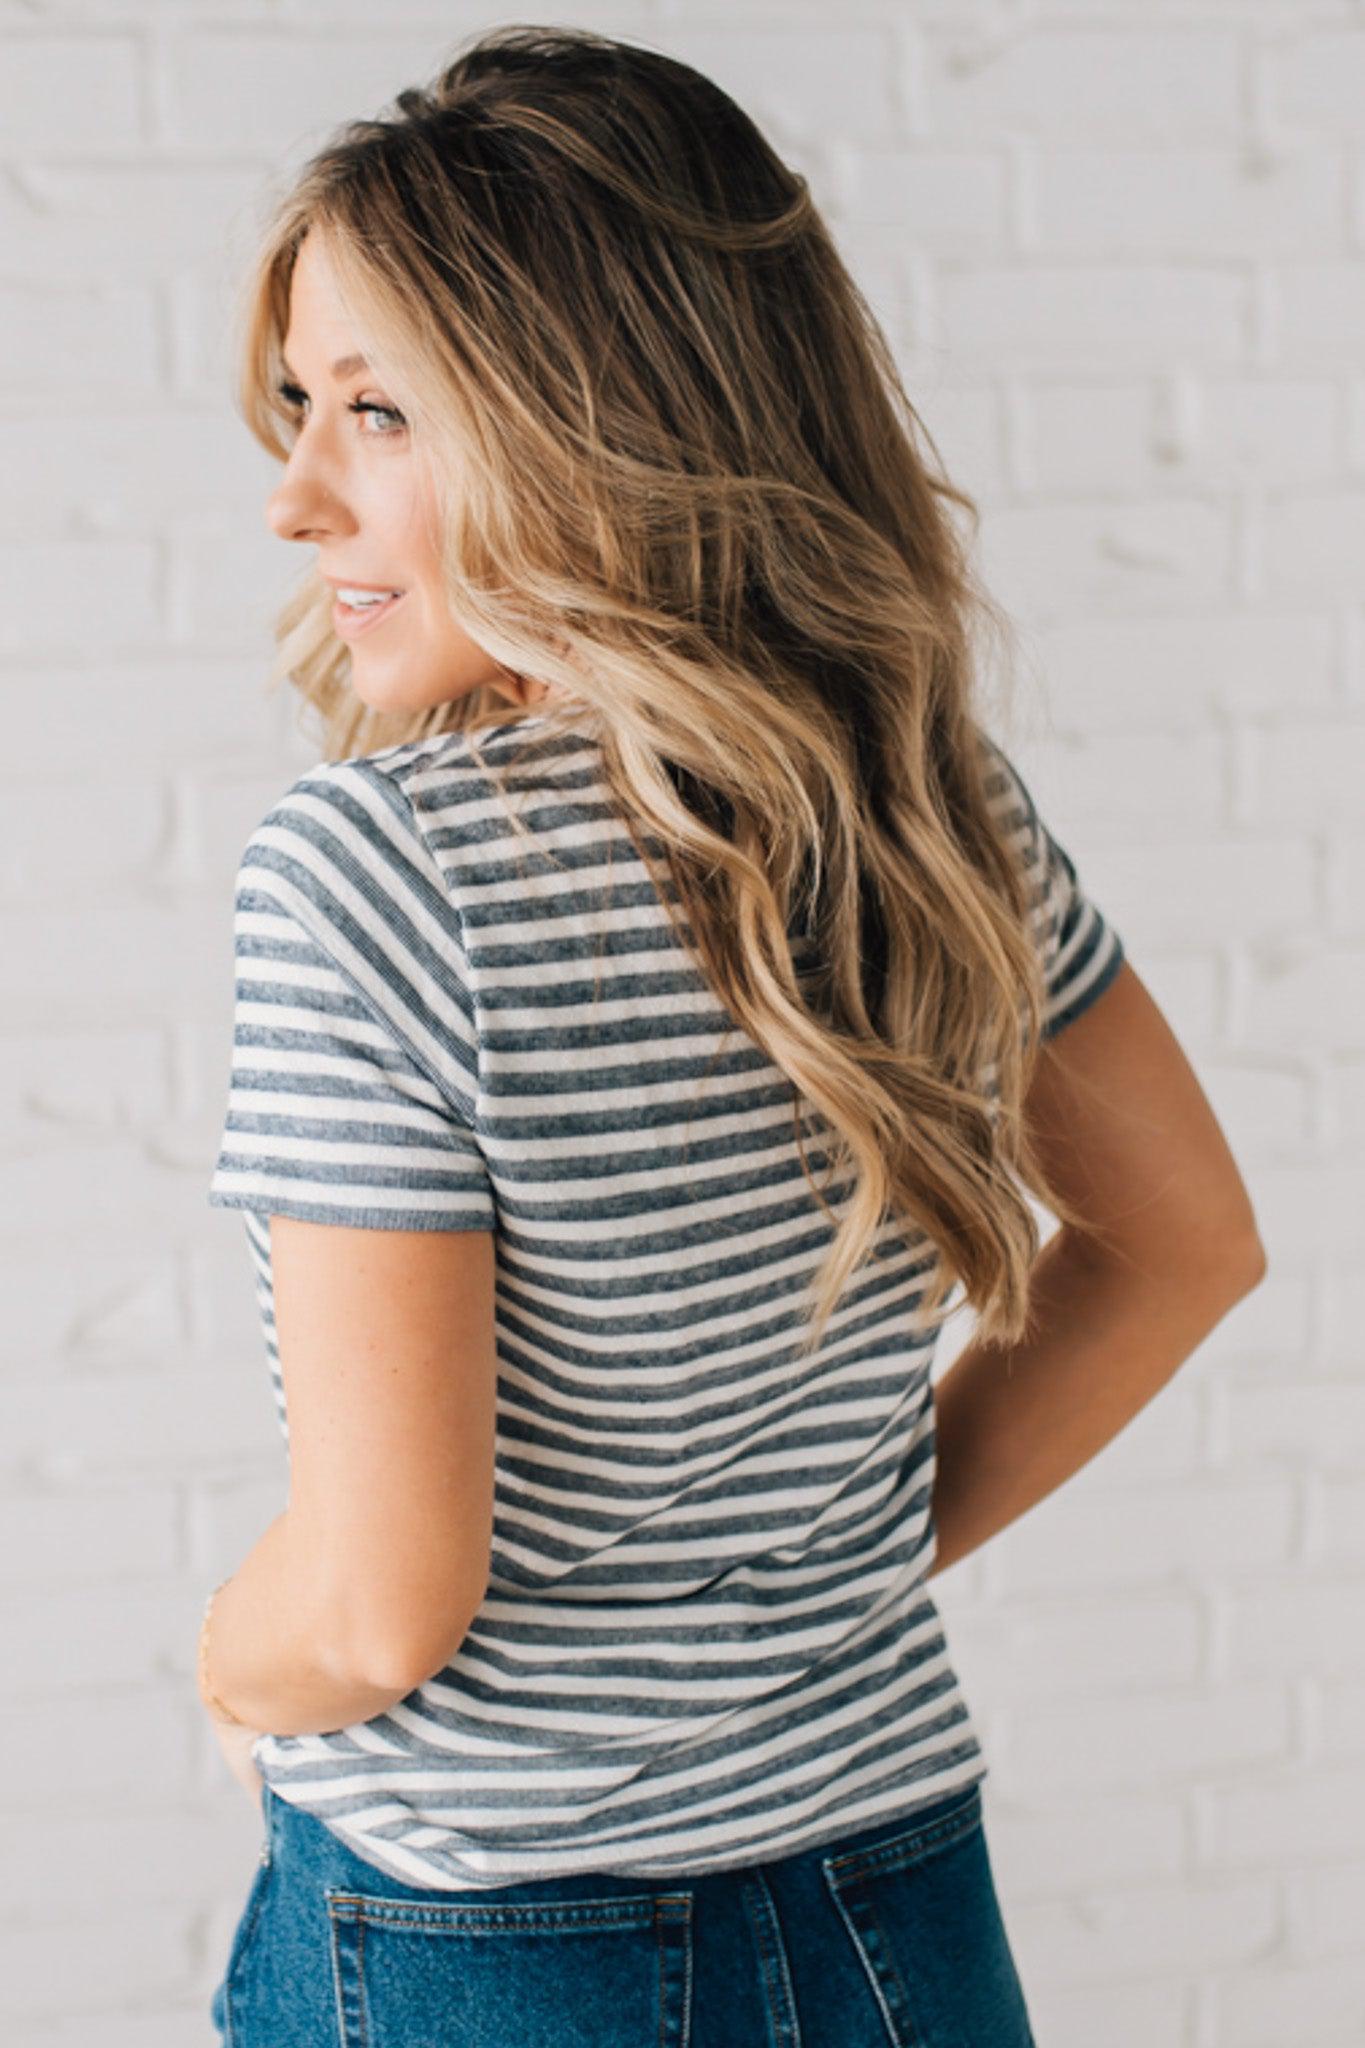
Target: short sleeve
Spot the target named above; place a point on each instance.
(353, 1079)
(1080, 949)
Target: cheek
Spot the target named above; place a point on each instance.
(421, 529)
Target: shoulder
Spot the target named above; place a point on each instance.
(354, 817)
(1007, 793)
(386, 832)
(342, 853)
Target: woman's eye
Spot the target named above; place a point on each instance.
(294, 400)
(388, 412)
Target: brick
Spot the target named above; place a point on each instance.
(1263, 1108)
(146, 1853)
(118, 583)
(92, 79)
(65, 1637)
(1126, 784)
(1269, 1332)
(1348, 1099)
(1312, 1211)
(949, 201)
(1082, 437)
(236, 90)
(1310, 542)
(1273, 426)
(1343, 1320)
(103, 338)
(1231, 201)
(55, 1306)
(1051, 1647)
(1155, 1737)
(1171, 676)
(140, 470)
(1325, 1909)
(1284, 1815)
(161, 2026)
(1303, 995)
(1301, 1425)
(1140, 1932)
(1109, 316)
(98, 1755)
(133, 225)
(1267, 2007)
(1102, 1535)
(59, 937)
(1317, 80)
(135, 1421)
(1345, 885)
(1057, 82)
(1339, 1717)
(87, 1533)
(965, 422)
(1335, 1520)
(178, 709)
(133, 1958)
(92, 1079)
(126, 819)
(1318, 314)
(1051, 1843)
(1293, 1626)
(1130, 2014)
(1047, 559)
(1122, 436)
(231, 584)
(1306, 772)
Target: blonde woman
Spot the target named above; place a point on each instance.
(662, 996)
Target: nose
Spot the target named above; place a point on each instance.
(303, 507)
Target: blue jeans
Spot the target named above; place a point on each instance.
(892, 1936)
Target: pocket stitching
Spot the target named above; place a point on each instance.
(870, 1968)
(462, 1916)
(667, 1916)
(906, 1848)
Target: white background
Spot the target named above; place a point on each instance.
(1117, 245)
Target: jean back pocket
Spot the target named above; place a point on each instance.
(922, 1913)
(602, 1973)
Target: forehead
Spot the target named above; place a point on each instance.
(319, 323)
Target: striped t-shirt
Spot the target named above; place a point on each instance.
(706, 1639)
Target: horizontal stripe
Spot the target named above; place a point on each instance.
(706, 1638)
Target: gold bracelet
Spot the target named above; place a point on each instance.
(216, 1707)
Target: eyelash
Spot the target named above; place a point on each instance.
(294, 399)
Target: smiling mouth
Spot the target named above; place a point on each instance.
(351, 619)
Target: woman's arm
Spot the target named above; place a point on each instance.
(273, 1659)
(370, 1579)
(1127, 1135)
(1013, 1422)
(236, 1744)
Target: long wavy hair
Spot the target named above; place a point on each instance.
(681, 483)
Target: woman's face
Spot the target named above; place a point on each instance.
(352, 487)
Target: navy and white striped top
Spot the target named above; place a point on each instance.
(706, 1639)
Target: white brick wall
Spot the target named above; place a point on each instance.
(1118, 245)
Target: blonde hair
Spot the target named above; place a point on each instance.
(681, 483)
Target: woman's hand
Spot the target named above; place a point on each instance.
(235, 1742)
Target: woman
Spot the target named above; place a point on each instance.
(660, 998)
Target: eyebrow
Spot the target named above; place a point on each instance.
(344, 366)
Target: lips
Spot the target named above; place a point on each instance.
(351, 620)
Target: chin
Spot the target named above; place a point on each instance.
(402, 696)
